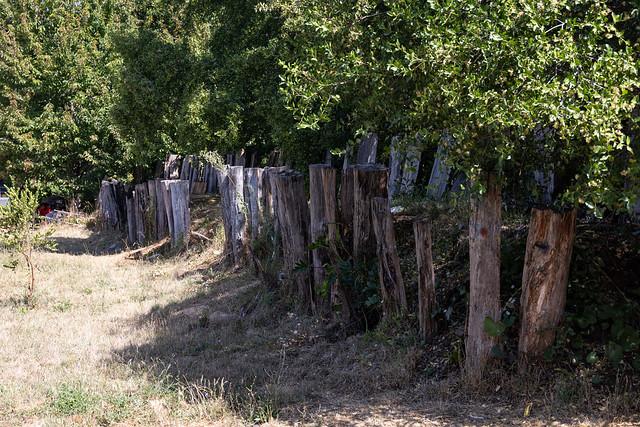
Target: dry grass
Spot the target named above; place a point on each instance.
(181, 341)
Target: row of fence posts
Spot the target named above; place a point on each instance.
(159, 208)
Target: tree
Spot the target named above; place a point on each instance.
(20, 235)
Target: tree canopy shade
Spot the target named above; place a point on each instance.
(56, 69)
(488, 73)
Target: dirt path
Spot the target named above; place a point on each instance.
(180, 341)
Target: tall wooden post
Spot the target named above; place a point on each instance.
(394, 300)
(253, 199)
(484, 265)
(346, 205)
(225, 207)
(180, 213)
(235, 212)
(369, 181)
(141, 202)
(544, 280)
(322, 186)
(131, 215)
(150, 215)
(293, 216)
(162, 227)
(426, 279)
(108, 206)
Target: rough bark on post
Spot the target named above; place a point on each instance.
(270, 196)
(426, 279)
(322, 207)
(253, 199)
(484, 265)
(293, 216)
(180, 214)
(236, 213)
(150, 216)
(544, 280)
(162, 227)
(166, 198)
(131, 215)
(346, 205)
(223, 186)
(369, 181)
(108, 206)
(394, 300)
(141, 202)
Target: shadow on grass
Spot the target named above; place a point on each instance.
(97, 243)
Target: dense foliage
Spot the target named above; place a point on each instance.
(108, 87)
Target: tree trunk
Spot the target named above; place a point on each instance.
(484, 265)
(369, 181)
(293, 216)
(544, 280)
(426, 279)
(322, 186)
(253, 199)
(394, 300)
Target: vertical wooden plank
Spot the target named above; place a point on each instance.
(162, 227)
(253, 199)
(172, 167)
(151, 220)
(322, 207)
(394, 300)
(293, 213)
(368, 149)
(426, 279)
(369, 181)
(484, 265)
(131, 215)
(346, 205)
(166, 198)
(179, 193)
(140, 205)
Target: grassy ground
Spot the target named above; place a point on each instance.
(181, 341)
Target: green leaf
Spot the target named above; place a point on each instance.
(493, 328)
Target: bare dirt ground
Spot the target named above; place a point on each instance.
(181, 341)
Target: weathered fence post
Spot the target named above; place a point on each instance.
(108, 206)
(322, 207)
(426, 279)
(394, 300)
(544, 280)
(161, 213)
(369, 181)
(293, 217)
(270, 195)
(176, 202)
(223, 186)
(131, 215)
(484, 265)
(403, 168)
(235, 210)
(253, 199)
(141, 201)
(150, 217)
(346, 205)
(368, 149)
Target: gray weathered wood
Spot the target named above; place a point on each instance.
(253, 199)
(544, 280)
(368, 149)
(484, 265)
(346, 205)
(439, 175)
(131, 215)
(141, 202)
(236, 213)
(108, 206)
(394, 300)
(426, 279)
(403, 167)
(151, 220)
(166, 198)
(180, 212)
(162, 227)
(369, 181)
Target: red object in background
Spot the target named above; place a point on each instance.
(44, 209)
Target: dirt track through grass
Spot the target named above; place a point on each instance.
(181, 341)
